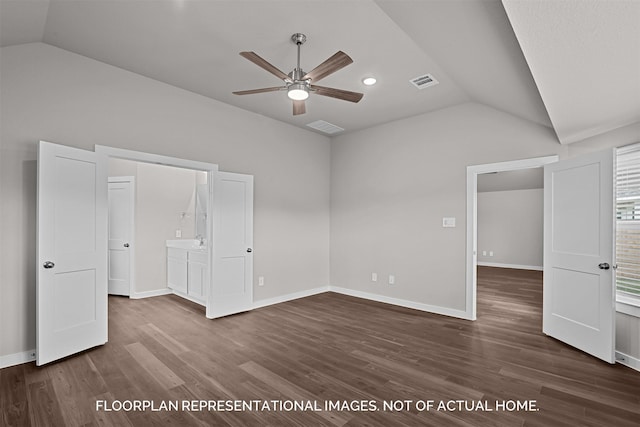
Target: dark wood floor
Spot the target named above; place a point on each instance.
(329, 347)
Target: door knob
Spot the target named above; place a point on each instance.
(603, 266)
(249, 250)
(48, 264)
(126, 245)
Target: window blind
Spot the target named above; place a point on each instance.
(628, 220)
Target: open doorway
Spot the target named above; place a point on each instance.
(510, 246)
(156, 211)
(472, 218)
(158, 172)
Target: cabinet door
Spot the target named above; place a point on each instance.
(177, 274)
(197, 279)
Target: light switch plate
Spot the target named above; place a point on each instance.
(178, 233)
(449, 222)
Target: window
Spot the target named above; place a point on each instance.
(628, 223)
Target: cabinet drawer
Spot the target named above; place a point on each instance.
(175, 253)
(200, 257)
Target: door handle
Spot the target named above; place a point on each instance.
(249, 250)
(603, 266)
(126, 245)
(48, 264)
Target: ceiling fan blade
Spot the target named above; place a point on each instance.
(260, 62)
(337, 93)
(265, 89)
(299, 107)
(337, 61)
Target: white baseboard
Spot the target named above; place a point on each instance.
(189, 297)
(461, 314)
(516, 266)
(289, 297)
(365, 295)
(148, 294)
(626, 360)
(17, 358)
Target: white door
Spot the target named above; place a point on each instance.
(121, 208)
(233, 236)
(579, 291)
(71, 288)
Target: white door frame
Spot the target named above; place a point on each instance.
(105, 152)
(472, 218)
(132, 230)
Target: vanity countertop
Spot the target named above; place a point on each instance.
(187, 244)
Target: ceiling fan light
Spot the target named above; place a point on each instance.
(298, 92)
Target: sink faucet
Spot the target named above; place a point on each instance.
(201, 239)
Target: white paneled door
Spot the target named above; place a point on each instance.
(579, 291)
(121, 203)
(233, 266)
(71, 289)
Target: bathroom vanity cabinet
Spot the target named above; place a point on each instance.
(187, 269)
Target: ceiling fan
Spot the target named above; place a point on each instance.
(299, 84)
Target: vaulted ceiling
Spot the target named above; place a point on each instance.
(583, 57)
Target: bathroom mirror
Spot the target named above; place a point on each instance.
(201, 210)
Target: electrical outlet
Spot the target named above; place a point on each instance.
(374, 277)
(484, 253)
(490, 253)
(392, 279)
(261, 281)
(178, 233)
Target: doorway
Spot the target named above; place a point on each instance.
(154, 162)
(168, 210)
(472, 219)
(510, 241)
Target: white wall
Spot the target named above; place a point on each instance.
(392, 185)
(510, 223)
(50, 94)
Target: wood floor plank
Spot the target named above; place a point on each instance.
(328, 347)
(291, 391)
(111, 418)
(171, 344)
(76, 383)
(44, 409)
(150, 363)
(13, 397)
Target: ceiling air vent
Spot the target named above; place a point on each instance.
(325, 127)
(422, 82)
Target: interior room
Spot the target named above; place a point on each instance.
(510, 213)
(377, 223)
(169, 207)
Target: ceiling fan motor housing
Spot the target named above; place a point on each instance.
(297, 74)
(298, 38)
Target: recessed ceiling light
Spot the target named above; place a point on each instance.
(369, 81)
